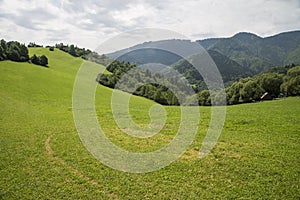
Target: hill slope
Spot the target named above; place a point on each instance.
(43, 157)
(258, 53)
(152, 52)
(242, 55)
(229, 69)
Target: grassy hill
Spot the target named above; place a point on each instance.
(42, 156)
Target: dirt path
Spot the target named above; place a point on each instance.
(55, 159)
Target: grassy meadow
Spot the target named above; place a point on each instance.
(256, 157)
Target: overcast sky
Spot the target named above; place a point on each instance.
(90, 22)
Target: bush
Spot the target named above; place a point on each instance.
(39, 60)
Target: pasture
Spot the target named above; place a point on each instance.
(42, 156)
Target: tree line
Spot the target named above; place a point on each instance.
(142, 82)
(277, 82)
(84, 53)
(15, 51)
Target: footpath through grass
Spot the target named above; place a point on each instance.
(257, 155)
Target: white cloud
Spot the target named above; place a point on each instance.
(87, 23)
(134, 14)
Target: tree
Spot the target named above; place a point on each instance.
(270, 82)
(251, 91)
(204, 98)
(32, 44)
(13, 55)
(23, 53)
(72, 50)
(291, 84)
(3, 50)
(218, 98)
(233, 93)
(2, 54)
(35, 60)
(43, 60)
(17, 52)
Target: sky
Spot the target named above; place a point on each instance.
(91, 22)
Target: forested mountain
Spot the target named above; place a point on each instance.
(229, 70)
(155, 52)
(257, 53)
(238, 59)
(253, 53)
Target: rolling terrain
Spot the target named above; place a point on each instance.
(42, 156)
(238, 56)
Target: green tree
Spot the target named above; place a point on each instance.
(43, 60)
(251, 91)
(35, 60)
(72, 50)
(23, 53)
(3, 50)
(17, 52)
(233, 93)
(2, 54)
(270, 82)
(291, 84)
(204, 98)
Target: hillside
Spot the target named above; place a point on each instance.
(257, 53)
(239, 56)
(229, 69)
(153, 52)
(42, 156)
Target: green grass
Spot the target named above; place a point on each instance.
(256, 157)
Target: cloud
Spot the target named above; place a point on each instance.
(89, 22)
(33, 19)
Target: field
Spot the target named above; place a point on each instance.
(42, 156)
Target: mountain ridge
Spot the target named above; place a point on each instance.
(257, 53)
(242, 55)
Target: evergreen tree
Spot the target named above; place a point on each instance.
(35, 60)
(72, 50)
(43, 60)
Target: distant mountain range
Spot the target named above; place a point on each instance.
(257, 53)
(242, 55)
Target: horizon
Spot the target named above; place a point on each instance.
(88, 24)
(195, 40)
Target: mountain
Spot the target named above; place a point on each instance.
(241, 55)
(148, 55)
(257, 53)
(155, 57)
(229, 69)
(165, 52)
